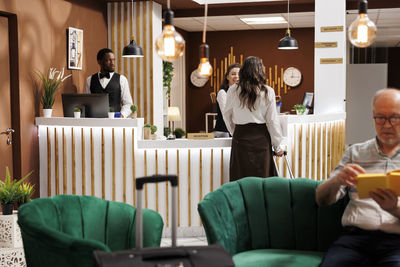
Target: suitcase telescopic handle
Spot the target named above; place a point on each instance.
(156, 179)
(284, 153)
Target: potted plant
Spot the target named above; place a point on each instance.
(153, 130)
(146, 131)
(179, 133)
(167, 77)
(50, 86)
(25, 193)
(77, 113)
(299, 108)
(134, 109)
(9, 192)
(111, 113)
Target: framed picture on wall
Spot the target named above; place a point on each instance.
(75, 45)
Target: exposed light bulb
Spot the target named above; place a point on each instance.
(169, 45)
(362, 32)
(205, 68)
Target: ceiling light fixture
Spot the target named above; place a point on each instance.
(263, 20)
(204, 68)
(169, 45)
(288, 42)
(132, 49)
(362, 32)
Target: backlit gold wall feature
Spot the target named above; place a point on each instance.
(83, 162)
(177, 173)
(189, 191)
(124, 165)
(73, 161)
(137, 70)
(56, 159)
(156, 156)
(64, 163)
(103, 174)
(145, 174)
(133, 168)
(92, 162)
(166, 188)
(113, 165)
(48, 162)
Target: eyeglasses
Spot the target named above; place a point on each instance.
(393, 120)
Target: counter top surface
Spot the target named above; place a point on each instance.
(89, 122)
(185, 143)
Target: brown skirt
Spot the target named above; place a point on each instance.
(251, 153)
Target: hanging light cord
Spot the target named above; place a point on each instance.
(205, 22)
(288, 14)
(132, 20)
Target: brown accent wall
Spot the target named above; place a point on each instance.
(42, 43)
(261, 43)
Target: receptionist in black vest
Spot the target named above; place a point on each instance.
(108, 81)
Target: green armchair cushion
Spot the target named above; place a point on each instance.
(64, 230)
(274, 213)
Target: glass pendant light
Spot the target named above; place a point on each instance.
(204, 68)
(362, 32)
(132, 49)
(288, 42)
(169, 45)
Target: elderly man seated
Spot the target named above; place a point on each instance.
(372, 225)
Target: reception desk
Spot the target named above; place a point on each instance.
(103, 157)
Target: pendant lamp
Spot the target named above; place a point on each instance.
(362, 32)
(132, 49)
(288, 42)
(205, 68)
(170, 45)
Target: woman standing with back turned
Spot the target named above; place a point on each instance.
(250, 115)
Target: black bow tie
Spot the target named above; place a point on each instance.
(106, 75)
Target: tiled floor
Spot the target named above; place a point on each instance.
(188, 241)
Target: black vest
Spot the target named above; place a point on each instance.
(220, 124)
(113, 89)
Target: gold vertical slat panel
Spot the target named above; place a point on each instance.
(83, 162)
(131, 71)
(133, 167)
(113, 25)
(324, 152)
(294, 150)
(319, 153)
(103, 167)
(64, 152)
(336, 144)
(177, 173)
(156, 156)
(313, 136)
(308, 151)
(123, 166)
(166, 188)
(56, 160)
(201, 176)
(285, 166)
(113, 163)
(138, 72)
(126, 36)
(48, 162)
(300, 138)
(92, 162)
(119, 32)
(151, 65)
(189, 191)
(343, 138)
(145, 174)
(144, 46)
(73, 161)
(212, 171)
(222, 166)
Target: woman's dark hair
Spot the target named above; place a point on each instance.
(225, 82)
(252, 80)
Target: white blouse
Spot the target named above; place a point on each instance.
(264, 112)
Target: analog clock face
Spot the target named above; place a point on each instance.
(197, 79)
(292, 76)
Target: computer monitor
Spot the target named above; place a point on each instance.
(91, 105)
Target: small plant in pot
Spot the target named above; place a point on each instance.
(25, 193)
(134, 109)
(299, 108)
(77, 113)
(179, 133)
(153, 130)
(111, 113)
(146, 131)
(9, 192)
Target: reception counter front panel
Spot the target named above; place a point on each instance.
(103, 157)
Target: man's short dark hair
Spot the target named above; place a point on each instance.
(102, 52)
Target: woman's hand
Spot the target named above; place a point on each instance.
(279, 153)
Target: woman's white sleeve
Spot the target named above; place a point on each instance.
(227, 111)
(273, 123)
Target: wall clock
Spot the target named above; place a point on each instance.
(197, 79)
(292, 76)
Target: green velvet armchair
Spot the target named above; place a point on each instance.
(271, 222)
(64, 230)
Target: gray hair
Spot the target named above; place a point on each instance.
(381, 91)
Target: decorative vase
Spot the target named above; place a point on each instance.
(146, 133)
(133, 115)
(111, 115)
(299, 112)
(153, 137)
(47, 112)
(77, 115)
(7, 208)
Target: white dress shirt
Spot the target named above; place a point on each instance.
(126, 99)
(264, 112)
(221, 99)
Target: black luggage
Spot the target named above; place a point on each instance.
(209, 256)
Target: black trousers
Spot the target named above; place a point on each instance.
(359, 247)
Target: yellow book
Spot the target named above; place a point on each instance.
(368, 182)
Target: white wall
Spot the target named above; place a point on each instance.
(157, 72)
(360, 90)
(330, 79)
(178, 91)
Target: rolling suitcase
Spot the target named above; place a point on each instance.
(287, 165)
(194, 256)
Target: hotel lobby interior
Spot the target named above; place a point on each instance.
(82, 172)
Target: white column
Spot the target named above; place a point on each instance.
(330, 79)
(157, 71)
